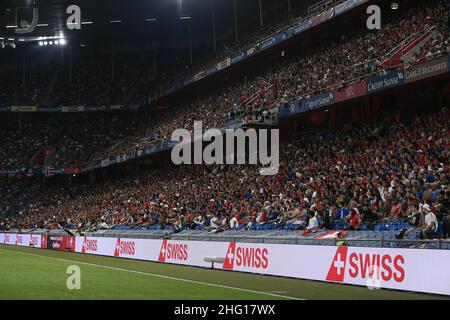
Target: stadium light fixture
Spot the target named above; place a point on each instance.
(52, 41)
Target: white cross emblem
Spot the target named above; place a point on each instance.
(338, 264)
(230, 256)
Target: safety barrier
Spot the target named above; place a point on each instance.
(391, 268)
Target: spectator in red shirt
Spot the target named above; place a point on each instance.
(355, 220)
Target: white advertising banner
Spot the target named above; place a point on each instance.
(403, 269)
(23, 240)
(419, 270)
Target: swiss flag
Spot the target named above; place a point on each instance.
(162, 252)
(117, 250)
(337, 268)
(229, 258)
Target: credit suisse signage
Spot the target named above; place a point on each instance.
(372, 85)
(419, 270)
(426, 70)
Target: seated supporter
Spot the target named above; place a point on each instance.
(313, 223)
(430, 225)
(354, 218)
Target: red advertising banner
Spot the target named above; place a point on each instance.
(71, 170)
(350, 92)
(61, 243)
(43, 241)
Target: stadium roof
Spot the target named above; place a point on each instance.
(126, 20)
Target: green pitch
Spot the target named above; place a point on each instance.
(27, 273)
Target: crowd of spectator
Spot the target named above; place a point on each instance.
(14, 195)
(85, 138)
(390, 171)
(22, 140)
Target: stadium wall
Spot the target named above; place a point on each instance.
(420, 270)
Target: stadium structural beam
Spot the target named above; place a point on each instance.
(112, 60)
(70, 62)
(24, 71)
(190, 42)
(261, 21)
(154, 57)
(62, 56)
(213, 18)
(235, 21)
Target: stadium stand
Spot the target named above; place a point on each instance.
(92, 137)
(386, 180)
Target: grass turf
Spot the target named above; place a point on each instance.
(27, 273)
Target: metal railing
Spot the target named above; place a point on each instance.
(438, 244)
(322, 6)
(405, 43)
